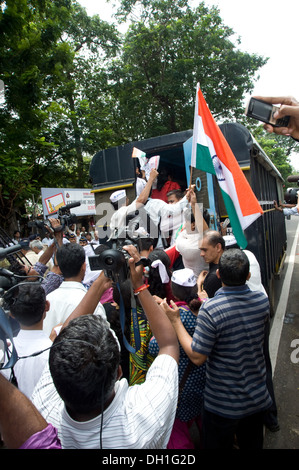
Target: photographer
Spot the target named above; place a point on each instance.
(71, 260)
(289, 107)
(29, 307)
(82, 394)
(54, 277)
(288, 209)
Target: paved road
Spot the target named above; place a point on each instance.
(284, 347)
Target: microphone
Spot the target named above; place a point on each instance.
(10, 249)
(293, 178)
(6, 272)
(70, 206)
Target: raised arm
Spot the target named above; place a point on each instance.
(160, 325)
(91, 299)
(185, 340)
(58, 241)
(143, 196)
(200, 222)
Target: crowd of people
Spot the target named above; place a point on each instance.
(134, 363)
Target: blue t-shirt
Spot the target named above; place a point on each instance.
(230, 330)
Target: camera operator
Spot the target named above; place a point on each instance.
(82, 393)
(28, 306)
(71, 260)
(54, 278)
(288, 209)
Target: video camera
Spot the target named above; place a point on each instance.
(114, 261)
(64, 215)
(8, 278)
(8, 326)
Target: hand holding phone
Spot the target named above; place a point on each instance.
(265, 112)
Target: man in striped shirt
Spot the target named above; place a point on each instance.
(229, 336)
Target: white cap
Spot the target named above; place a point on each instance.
(117, 195)
(230, 240)
(184, 277)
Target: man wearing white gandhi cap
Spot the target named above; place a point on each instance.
(117, 196)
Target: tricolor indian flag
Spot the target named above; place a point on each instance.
(212, 154)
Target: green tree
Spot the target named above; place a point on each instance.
(166, 51)
(278, 149)
(52, 62)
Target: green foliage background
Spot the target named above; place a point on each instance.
(75, 85)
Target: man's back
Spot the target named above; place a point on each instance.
(28, 371)
(212, 283)
(63, 302)
(138, 417)
(230, 331)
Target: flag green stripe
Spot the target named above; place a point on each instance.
(203, 159)
(234, 220)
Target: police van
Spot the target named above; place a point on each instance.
(114, 168)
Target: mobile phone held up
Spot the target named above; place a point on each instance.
(263, 111)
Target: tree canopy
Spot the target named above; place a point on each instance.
(74, 85)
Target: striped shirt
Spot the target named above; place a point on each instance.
(230, 331)
(139, 417)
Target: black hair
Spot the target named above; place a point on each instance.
(214, 238)
(189, 216)
(176, 192)
(188, 294)
(144, 243)
(83, 362)
(206, 216)
(233, 267)
(100, 248)
(154, 279)
(28, 303)
(70, 258)
(162, 178)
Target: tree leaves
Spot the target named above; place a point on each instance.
(73, 85)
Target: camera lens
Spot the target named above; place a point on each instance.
(109, 260)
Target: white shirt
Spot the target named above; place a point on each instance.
(63, 302)
(290, 211)
(28, 371)
(188, 245)
(140, 185)
(255, 281)
(160, 210)
(118, 219)
(139, 417)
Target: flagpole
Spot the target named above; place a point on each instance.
(191, 171)
(195, 131)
